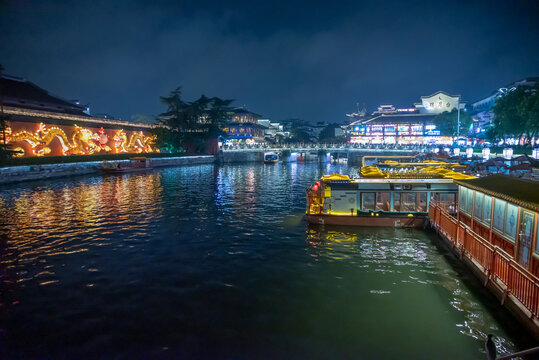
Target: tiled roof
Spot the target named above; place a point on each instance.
(18, 92)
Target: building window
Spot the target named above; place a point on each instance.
(499, 214)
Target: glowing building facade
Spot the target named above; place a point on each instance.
(389, 125)
(41, 124)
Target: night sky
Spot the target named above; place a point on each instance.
(282, 59)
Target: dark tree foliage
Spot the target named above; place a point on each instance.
(298, 134)
(516, 114)
(447, 122)
(328, 134)
(191, 125)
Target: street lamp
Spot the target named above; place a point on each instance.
(508, 153)
(458, 117)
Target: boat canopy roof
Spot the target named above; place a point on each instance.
(520, 192)
(335, 177)
(412, 171)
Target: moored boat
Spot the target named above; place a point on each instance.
(396, 195)
(271, 158)
(133, 165)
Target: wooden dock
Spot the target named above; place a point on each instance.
(515, 287)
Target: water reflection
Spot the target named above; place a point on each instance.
(407, 254)
(44, 223)
(219, 260)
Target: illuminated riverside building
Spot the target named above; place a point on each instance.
(243, 127)
(244, 133)
(41, 124)
(417, 125)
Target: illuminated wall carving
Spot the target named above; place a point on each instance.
(39, 139)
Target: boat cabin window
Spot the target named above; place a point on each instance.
(511, 216)
(465, 201)
(404, 201)
(446, 200)
(478, 206)
(382, 201)
(410, 201)
(367, 201)
(407, 201)
(421, 202)
(499, 214)
(537, 239)
(487, 207)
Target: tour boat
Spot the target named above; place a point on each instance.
(133, 165)
(390, 194)
(271, 158)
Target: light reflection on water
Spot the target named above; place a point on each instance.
(211, 261)
(407, 253)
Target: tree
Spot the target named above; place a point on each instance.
(516, 114)
(328, 134)
(298, 134)
(447, 123)
(218, 115)
(191, 125)
(491, 134)
(529, 111)
(143, 119)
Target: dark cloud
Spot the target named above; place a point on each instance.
(308, 59)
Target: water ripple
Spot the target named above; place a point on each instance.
(217, 262)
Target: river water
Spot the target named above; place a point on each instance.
(218, 262)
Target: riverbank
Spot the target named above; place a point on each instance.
(12, 174)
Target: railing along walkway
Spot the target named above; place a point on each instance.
(496, 264)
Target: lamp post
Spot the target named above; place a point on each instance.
(458, 118)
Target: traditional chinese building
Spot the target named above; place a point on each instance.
(417, 125)
(243, 127)
(245, 132)
(43, 124)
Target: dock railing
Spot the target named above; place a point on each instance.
(495, 263)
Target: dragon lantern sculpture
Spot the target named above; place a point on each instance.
(83, 141)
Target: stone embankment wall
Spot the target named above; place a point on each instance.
(39, 172)
(241, 156)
